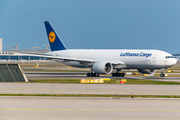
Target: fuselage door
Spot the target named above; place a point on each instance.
(154, 57)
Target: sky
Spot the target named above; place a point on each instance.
(92, 24)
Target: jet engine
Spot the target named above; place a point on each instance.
(146, 71)
(102, 67)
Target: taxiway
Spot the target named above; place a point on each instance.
(52, 88)
(82, 75)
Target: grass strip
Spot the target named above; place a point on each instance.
(54, 81)
(95, 95)
(113, 81)
(144, 82)
(41, 70)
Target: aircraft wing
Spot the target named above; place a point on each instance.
(67, 58)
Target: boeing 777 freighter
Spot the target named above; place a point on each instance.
(103, 61)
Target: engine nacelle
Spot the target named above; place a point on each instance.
(102, 67)
(146, 71)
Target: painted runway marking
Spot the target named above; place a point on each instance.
(90, 110)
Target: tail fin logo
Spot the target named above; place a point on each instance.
(52, 36)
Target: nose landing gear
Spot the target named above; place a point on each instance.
(162, 72)
(162, 75)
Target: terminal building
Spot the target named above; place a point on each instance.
(8, 55)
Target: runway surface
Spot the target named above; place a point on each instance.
(50, 88)
(82, 108)
(82, 75)
(57, 108)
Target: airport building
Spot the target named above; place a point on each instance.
(8, 55)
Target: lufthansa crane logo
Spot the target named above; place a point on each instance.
(52, 36)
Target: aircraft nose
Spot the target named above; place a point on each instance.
(171, 62)
(174, 61)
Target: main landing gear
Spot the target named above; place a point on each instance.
(117, 74)
(92, 74)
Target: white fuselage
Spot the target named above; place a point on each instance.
(127, 59)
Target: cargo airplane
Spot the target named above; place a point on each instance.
(102, 61)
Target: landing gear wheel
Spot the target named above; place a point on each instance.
(162, 75)
(113, 74)
(122, 75)
(88, 74)
(119, 74)
(93, 74)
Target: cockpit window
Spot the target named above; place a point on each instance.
(169, 57)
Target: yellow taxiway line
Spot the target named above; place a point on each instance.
(108, 110)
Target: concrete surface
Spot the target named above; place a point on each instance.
(82, 75)
(57, 108)
(50, 88)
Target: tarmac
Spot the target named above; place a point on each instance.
(52, 88)
(56, 108)
(87, 108)
(82, 75)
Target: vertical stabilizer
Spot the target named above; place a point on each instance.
(54, 40)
